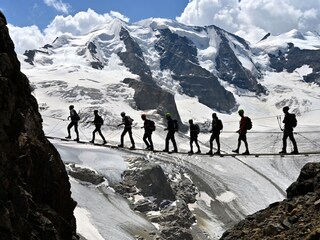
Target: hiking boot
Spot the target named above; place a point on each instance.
(104, 142)
(295, 152)
(76, 139)
(68, 137)
(91, 141)
(132, 148)
(217, 153)
(246, 153)
(235, 151)
(209, 153)
(198, 152)
(190, 152)
(165, 150)
(175, 151)
(120, 145)
(283, 151)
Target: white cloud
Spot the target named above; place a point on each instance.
(58, 5)
(26, 38)
(251, 18)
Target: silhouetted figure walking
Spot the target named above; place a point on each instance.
(215, 133)
(242, 133)
(194, 132)
(98, 122)
(290, 122)
(149, 127)
(127, 122)
(74, 122)
(171, 128)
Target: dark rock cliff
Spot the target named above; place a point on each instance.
(179, 55)
(229, 67)
(35, 197)
(151, 96)
(294, 218)
(133, 57)
(294, 58)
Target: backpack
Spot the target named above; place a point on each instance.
(175, 125)
(152, 126)
(197, 128)
(129, 120)
(292, 120)
(76, 116)
(220, 125)
(99, 120)
(248, 123)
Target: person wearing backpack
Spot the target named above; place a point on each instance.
(98, 122)
(127, 122)
(194, 132)
(217, 126)
(245, 124)
(171, 128)
(149, 127)
(74, 117)
(290, 122)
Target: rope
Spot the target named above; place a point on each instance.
(313, 142)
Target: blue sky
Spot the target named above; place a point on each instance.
(33, 23)
(37, 12)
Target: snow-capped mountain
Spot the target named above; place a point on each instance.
(157, 66)
(157, 56)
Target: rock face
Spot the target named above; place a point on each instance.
(230, 69)
(294, 218)
(293, 58)
(179, 55)
(35, 197)
(159, 194)
(162, 100)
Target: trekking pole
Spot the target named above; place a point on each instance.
(279, 122)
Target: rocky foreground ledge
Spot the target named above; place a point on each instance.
(35, 197)
(297, 217)
(163, 199)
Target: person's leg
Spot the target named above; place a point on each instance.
(295, 148)
(122, 137)
(239, 144)
(76, 130)
(94, 135)
(150, 140)
(211, 143)
(197, 144)
(173, 140)
(191, 147)
(145, 136)
(101, 135)
(68, 128)
(166, 149)
(284, 141)
(245, 143)
(131, 138)
(218, 144)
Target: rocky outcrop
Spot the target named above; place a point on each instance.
(162, 101)
(294, 218)
(35, 197)
(179, 55)
(230, 69)
(160, 198)
(294, 58)
(133, 57)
